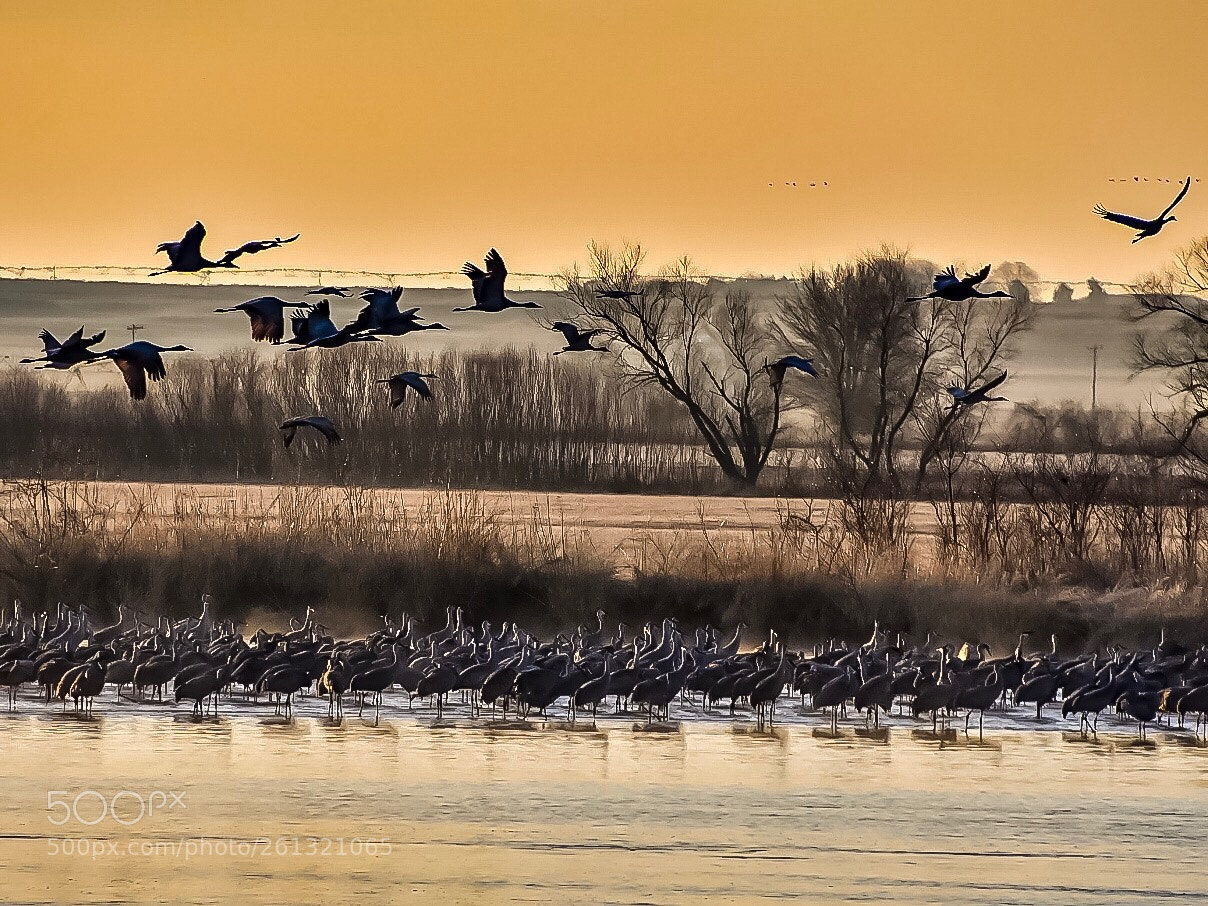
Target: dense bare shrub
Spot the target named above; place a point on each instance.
(504, 419)
(1061, 519)
(1073, 428)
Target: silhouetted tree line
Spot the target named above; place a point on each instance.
(498, 419)
(684, 402)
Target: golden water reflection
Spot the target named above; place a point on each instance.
(607, 814)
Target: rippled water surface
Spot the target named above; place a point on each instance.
(612, 814)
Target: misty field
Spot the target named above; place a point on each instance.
(1053, 364)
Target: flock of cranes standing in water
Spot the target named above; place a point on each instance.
(313, 327)
(510, 670)
(493, 672)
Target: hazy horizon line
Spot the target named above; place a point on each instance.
(448, 279)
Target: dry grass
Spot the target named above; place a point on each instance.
(355, 553)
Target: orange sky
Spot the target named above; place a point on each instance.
(410, 137)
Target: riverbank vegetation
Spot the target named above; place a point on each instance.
(1089, 572)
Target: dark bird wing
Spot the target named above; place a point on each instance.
(398, 390)
(990, 385)
(958, 393)
(319, 323)
(75, 338)
(798, 362)
(478, 278)
(324, 426)
(497, 272)
(365, 320)
(1178, 198)
(153, 362)
(1135, 223)
(974, 279)
(267, 314)
(568, 330)
(300, 325)
(399, 384)
(248, 248)
(418, 383)
(945, 279)
(94, 339)
(266, 327)
(255, 247)
(320, 423)
(134, 375)
(49, 343)
(188, 250)
(384, 303)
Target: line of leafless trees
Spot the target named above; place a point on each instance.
(684, 402)
(498, 419)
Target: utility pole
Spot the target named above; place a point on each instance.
(1094, 376)
(133, 328)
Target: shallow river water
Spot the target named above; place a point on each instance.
(249, 806)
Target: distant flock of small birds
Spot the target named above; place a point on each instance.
(1144, 179)
(313, 327)
(507, 669)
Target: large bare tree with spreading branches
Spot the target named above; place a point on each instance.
(1179, 348)
(706, 349)
(887, 363)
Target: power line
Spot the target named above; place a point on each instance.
(141, 274)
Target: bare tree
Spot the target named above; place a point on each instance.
(674, 332)
(1066, 494)
(1019, 290)
(1015, 277)
(1095, 291)
(1180, 347)
(1004, 273)
(887, 361)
